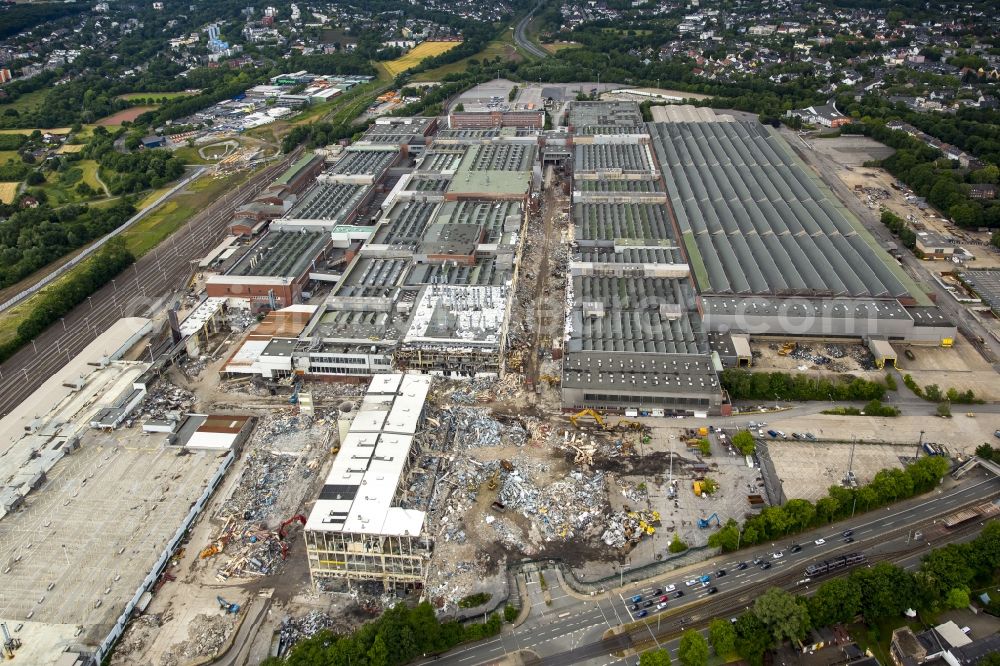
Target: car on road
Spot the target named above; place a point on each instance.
(795, 548)
(777, 555)
(642, 613)
(742, 565)
(713, 590)
(720, 573)
(637, 598)
(848, 539)
(670, 588)
(847, 533)
(660, 606)
(819, 542)
(693, 581)
(765, 565)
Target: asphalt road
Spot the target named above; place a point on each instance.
(140, 290)
(571, 630)
(521, 37)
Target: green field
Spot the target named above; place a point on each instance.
(148, 232)
(8, 155)
(154, 95)
(502, 47)
(27, 102)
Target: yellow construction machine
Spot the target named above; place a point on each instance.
(575, 418)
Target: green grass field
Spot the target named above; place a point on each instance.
(8, 155)
(28, 102)
(503, 47)
(154, 95)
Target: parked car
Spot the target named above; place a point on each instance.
(720, 573)
(634, 607)
(765, 565)
(664, 598)
(660, 606)
(657, 592)
(642, 613)
(713, 590)
(693, 581)
(648, 604)
(680, 593)
(670, 588)
(637, 598)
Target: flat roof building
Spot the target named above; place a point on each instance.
(361, 528)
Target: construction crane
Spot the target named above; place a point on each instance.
(592, 414)
(228, 607)
(705, 522)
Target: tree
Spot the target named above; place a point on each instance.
(957, 598)
(654, 658)
(722, 636)
(944, 410)
(752, 638)
(676, 545)
(744, 442)
(837, 600)
(886, 591)
(727, 538)
(782, 614)
(947, 568)
(692, 649)
(378, 655)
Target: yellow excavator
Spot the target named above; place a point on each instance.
(575, 418)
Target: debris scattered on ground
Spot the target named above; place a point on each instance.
(206, 634)
(165, 400)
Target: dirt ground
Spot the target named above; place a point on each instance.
(807, 469)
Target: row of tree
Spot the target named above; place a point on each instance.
(746, 385)
(798, 515)
(62, 297)
(126, 173)
(877, 594)
(399, 636)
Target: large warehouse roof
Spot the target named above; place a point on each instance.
(757, 223)
(282, 254)
(608, 222)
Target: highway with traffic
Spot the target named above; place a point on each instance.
(143, 289)
(566, 627)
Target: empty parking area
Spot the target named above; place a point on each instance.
(84, 540)
(851, 151)
(808, 469)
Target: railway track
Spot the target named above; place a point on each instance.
(139, 289)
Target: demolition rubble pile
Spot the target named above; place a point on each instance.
(166, 400)
(206, 635)
(280, 464)
(295, 629)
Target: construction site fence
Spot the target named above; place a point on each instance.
(161, 563)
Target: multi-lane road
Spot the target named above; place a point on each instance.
(140, 290)
(521, 36)
(569, 628)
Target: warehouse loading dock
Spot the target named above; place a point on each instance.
(883, 352)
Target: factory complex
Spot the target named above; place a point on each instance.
(686, 237)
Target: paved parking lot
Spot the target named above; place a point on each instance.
(808, 469)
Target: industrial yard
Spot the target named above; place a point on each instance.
(422, 358)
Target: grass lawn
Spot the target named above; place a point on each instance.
(89, 168)
(50, 130)
(29, 102)
(154, 95)
(503, 47)
(556, 47)
(170, 215)
(8, 155)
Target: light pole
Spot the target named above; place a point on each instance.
(920, 443)
(63, 320)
